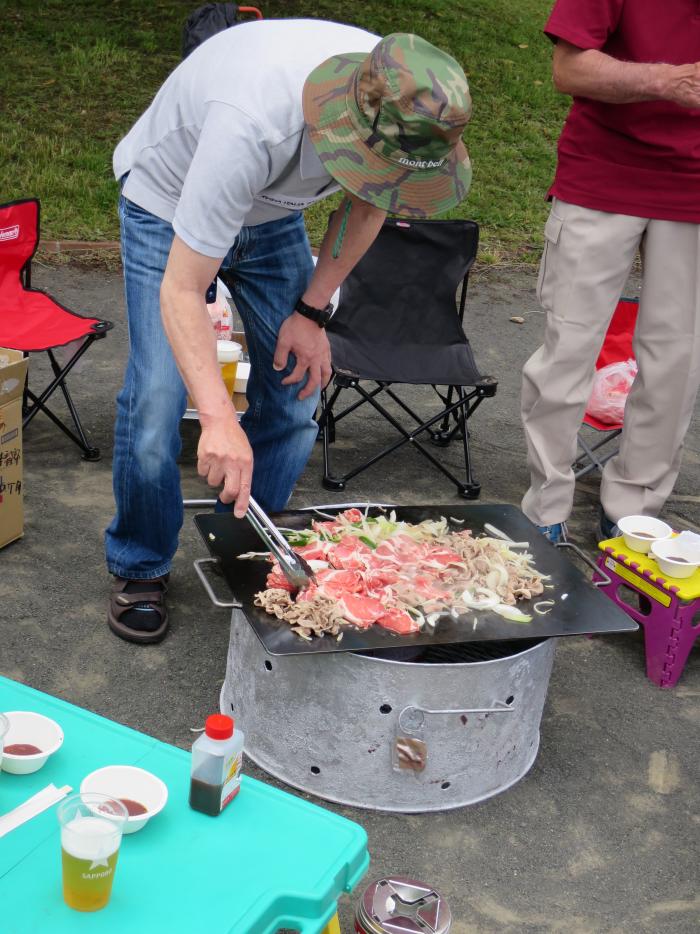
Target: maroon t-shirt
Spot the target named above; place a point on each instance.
(641, 159)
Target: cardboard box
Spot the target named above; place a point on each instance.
(13, 373)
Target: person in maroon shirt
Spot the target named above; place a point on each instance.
(627, 179)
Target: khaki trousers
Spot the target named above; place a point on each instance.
(587, 259)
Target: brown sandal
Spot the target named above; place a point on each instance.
(143, 602)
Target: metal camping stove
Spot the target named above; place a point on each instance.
(458, 726)
(402, 906)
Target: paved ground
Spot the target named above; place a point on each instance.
(601, 836)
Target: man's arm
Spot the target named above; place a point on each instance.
(224, 455)
(304, 338)
(593, 74)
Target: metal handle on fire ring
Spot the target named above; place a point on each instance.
(412, 710)
(207, 586)
(605, 582)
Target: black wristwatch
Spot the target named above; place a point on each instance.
(320, 315)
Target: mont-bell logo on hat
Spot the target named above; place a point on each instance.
(9, 233)
(421, 163)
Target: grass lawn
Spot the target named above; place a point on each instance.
(77, 73)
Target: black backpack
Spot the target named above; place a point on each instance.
(206, 21)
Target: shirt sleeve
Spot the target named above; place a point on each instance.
(230, 166)
(584, 23)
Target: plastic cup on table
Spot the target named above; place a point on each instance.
(228, 354)
(91, 833)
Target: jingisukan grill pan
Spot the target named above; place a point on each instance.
(579, 607)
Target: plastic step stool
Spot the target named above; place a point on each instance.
(673, 622)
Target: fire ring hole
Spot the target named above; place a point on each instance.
(315, 770)
(509, 700)
(385, 708)
(268, 664)
(445, 785)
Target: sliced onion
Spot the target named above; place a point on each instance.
(489, 599)
(511, 613)
(541, 603)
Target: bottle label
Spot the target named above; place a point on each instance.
(232, 779)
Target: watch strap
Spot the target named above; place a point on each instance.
(321, 316)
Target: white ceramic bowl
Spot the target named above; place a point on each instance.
(29, 727)
(666, 553)
(653, 529)
(4, 727)
(128, 781)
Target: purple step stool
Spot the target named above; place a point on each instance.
(672, 623)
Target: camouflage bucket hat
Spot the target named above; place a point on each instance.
(388, 126)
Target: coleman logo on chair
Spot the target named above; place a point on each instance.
(9, 233)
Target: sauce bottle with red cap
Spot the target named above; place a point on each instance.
(217, 757)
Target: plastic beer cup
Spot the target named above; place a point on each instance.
(91, 831)
(228, 354)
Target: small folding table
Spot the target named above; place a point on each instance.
(271, 860)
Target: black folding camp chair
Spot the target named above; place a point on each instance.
(398, 321)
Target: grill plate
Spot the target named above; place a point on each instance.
(584, 610)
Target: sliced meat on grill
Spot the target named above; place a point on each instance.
(398, 621)
(349, 554)
(277, 581)
(442, 557)
(335, 583)
(316, 551)
(361, 611)
(377, 577)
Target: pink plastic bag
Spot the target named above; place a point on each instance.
(611, 387)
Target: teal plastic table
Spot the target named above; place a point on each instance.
(270, 861)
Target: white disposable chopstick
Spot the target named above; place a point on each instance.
(39, 802)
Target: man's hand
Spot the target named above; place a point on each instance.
(225, 456)
(309, 344)
(684, 85)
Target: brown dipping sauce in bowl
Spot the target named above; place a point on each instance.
(133, 807)
(21, 749)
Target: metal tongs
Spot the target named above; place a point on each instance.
(296, 569)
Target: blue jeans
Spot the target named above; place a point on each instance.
(272, 265)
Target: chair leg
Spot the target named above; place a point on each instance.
(469, 490)
(327, 428)
(472, 489)
(90, 452)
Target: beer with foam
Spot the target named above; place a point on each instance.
(90, 837)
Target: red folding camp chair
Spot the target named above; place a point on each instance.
(32, 321)
(617, 346)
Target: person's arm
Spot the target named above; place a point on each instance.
(591, 73)
(304, 338)
(224, 455)
(228, 167)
